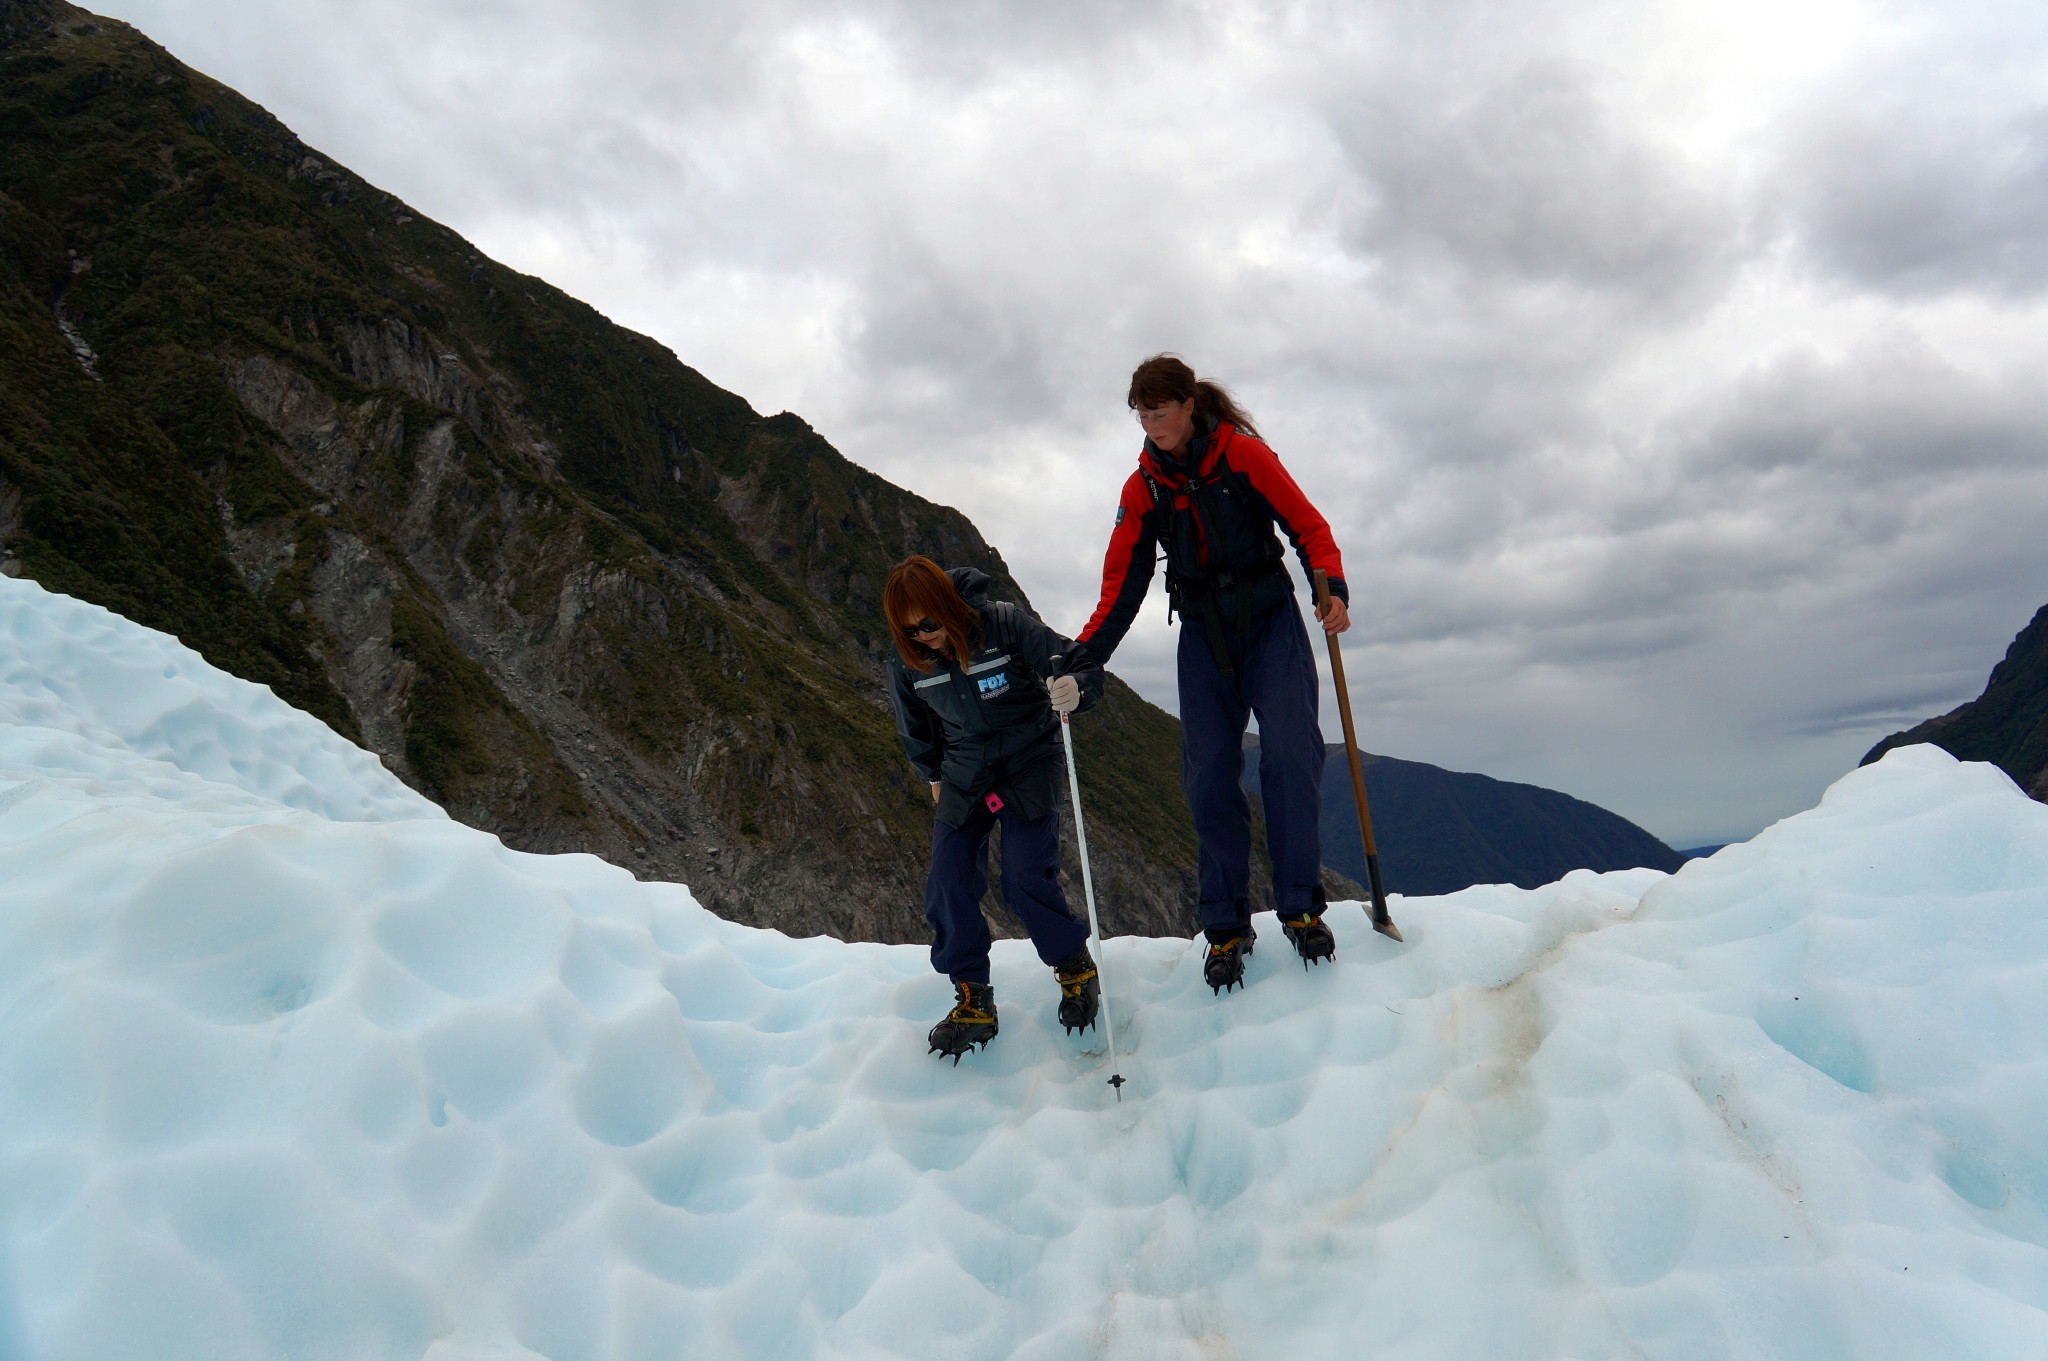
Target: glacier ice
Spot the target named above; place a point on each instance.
(291, 1065)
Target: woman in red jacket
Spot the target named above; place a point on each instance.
(1211, 493)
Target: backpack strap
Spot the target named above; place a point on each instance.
(1201, 596)
(1162, 507)
(1160, 501)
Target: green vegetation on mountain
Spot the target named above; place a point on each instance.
(2007, 725)
(558, 580)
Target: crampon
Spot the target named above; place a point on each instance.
(1080, 991)
(971, 1024)
(1224, 968)
(1311, 937)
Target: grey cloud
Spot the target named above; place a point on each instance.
(1921, 168)
(1919, 202)
(1896, 416)
(1888, 485)
(1529, 178)
(975, 43)
(937, 335)
(1896, 709)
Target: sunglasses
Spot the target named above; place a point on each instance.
(922, 627)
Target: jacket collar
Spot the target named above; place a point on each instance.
(1201, 453)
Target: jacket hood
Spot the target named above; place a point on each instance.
(973, 584)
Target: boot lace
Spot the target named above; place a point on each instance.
(967, 1013)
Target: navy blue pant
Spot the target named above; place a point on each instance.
(1031, 886)
(1276, 679)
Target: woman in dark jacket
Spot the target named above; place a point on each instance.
(977, 687)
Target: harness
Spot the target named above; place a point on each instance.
(1186, 583)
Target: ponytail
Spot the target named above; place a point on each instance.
(1213, 403)
(1167, 378)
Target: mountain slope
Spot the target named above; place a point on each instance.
(1440, 830)
(2007, 725)
(557, 580)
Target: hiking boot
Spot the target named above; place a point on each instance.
(1311, 937)
(1080, 990)
(970, 1024)
(1224, 968)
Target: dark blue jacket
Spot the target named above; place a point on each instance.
(987, 726)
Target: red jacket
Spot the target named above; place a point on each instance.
(1214, 521)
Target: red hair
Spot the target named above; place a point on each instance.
(919, 589)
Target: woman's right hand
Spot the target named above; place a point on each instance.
(935, 791)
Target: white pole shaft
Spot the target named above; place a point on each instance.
(1088, 888)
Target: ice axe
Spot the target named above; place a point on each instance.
(1116, 1078)
(1381, 922)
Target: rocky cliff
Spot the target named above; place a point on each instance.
(555, 578)
(2007, 725)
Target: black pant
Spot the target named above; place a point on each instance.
(1031, 886)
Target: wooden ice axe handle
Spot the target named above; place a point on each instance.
(1381, 922)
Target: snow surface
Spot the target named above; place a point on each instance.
(293, 1066)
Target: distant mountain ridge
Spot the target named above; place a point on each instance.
(2007, 725)
(1442, 830)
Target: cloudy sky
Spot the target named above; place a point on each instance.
(1675, 375)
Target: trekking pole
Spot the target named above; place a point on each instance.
(1116, 1078)
(1381, 922)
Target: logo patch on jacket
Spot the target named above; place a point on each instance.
(991, 686)
(1119, 515)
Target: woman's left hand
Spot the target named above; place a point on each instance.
(1335, 619)
(1065, 694)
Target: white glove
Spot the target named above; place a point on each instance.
(1065, 692)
